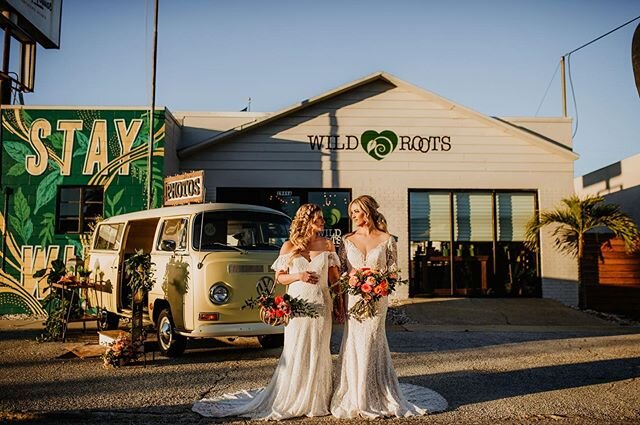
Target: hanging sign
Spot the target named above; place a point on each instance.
(187, 188)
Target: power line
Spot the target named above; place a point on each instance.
(568, 56)
(548, 87)
(603, 35)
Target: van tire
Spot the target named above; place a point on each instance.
(108, 321)
(271, 341)
(170, 343)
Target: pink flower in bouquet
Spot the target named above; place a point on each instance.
(366, 287)
(393, 276)
(354, 281)
(371, 280)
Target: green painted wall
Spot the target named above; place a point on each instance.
(43, 149)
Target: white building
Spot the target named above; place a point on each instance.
(456, 186)
(617, 183)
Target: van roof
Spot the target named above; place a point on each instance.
(189, 210)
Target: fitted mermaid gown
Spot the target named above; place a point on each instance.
(302, 382)
(367, 385)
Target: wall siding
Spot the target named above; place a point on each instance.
(481, 156)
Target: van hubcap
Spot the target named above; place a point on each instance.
(165, 334)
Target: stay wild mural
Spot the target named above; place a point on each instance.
(64, 169)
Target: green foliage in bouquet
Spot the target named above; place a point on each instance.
(277, 310)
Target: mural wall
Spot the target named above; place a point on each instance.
(64, 169)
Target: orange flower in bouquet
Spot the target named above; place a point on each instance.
(371, 285)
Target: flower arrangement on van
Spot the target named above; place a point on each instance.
(371, 285)
(121, 351)
(277, 310)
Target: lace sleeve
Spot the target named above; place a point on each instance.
(342, 257)
(334, 260)
(392, 253)
(281, 263)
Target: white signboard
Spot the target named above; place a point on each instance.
(43, 16)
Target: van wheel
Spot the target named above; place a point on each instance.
(171, 344)
(108, 321)
(271, 341)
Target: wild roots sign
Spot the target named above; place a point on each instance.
(378, 145)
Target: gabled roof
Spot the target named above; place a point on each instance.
(382, 76)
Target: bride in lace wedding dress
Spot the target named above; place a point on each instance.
(301, 384)
(367, 384)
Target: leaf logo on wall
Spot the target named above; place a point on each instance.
(379, 145)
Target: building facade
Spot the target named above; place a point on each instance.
(455, 186)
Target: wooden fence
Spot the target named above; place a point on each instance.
(611, 276)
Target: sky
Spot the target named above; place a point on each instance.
(496, 57)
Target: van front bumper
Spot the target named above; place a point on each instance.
(211, 330)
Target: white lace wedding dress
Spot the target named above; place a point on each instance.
(367, 384)
(302, 382)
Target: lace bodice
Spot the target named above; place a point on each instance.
(381, 257)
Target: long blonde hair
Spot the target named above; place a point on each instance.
(369, 207)
(301, 231)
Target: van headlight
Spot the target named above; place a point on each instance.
(219, 293)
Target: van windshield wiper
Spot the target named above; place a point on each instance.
(240, 250)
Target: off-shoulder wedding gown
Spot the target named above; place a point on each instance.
(302, 382)
(367, 384)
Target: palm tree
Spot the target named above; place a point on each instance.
(573, 220)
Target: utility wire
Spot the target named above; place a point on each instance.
(548, 87)
(568, 56)
(573, 95)
(603, 35)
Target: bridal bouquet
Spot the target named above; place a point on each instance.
(277, 310)
(371, 285)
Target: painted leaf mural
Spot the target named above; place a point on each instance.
(100, 150)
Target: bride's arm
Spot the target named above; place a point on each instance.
(392, 253)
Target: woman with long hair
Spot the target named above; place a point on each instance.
(367, 385)
(302, 382)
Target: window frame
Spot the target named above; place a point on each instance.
(81, 205)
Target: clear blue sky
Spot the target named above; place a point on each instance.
(496, 57)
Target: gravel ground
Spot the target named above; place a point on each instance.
(488, 377)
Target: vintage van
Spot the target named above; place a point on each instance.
(208, 259)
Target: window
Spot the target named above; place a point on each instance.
(174, 230)
(226, 230)
(468, 242)
(108, 236)
(78, 208)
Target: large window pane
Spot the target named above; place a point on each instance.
(472, 212)
(514, 210)
(429, 215)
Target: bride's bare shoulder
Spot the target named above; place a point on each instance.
(286, 248)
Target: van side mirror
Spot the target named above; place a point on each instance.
(168, 245)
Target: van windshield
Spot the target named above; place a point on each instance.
(224, 230)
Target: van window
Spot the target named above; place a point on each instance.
(242, 229)
(174, 229)
(108, 236)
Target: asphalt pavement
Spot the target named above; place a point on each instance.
(497, 361)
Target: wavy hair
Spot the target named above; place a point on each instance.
(301, 231)
(369, 207)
